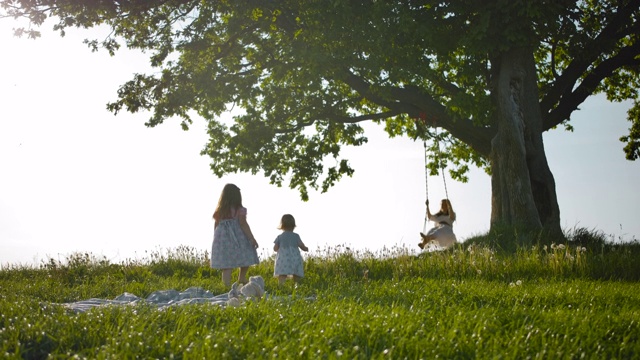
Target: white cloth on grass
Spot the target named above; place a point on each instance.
(193, 295)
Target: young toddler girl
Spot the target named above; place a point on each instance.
(288, 258)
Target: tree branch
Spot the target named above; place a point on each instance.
(300, 125)
(411, 100)
(605, 41)
(339, 119)
(570, 101)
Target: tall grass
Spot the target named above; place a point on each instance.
(579, 298)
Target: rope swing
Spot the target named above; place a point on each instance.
(426, 175)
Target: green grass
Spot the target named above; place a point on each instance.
(483, 299)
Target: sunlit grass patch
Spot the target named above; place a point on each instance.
(572, 299)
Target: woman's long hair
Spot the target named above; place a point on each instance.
(446, 209)
(229, 201)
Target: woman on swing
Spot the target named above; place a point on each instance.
(442, 233)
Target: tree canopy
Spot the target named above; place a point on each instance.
(490, 75)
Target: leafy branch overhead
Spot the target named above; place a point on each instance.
(306, 73)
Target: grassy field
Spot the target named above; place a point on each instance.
(485, 299)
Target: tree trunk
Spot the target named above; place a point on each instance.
(543, 185)
(512, 200)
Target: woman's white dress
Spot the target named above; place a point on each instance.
(442, 231)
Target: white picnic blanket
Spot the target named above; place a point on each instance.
(254, 289)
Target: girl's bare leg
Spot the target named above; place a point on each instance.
(226, 277)
(425, 240)
(296, 278)
(242, 276)
(282, 279)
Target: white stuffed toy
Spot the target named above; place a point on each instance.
(234, 302)
(254, 289)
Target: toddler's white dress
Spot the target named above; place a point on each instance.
(288, 258)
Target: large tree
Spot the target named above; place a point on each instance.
(484, 79)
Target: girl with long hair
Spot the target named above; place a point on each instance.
(234, 246)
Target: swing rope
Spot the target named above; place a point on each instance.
(426, 170)
(426, 177)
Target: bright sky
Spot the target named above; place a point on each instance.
(76, 178)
